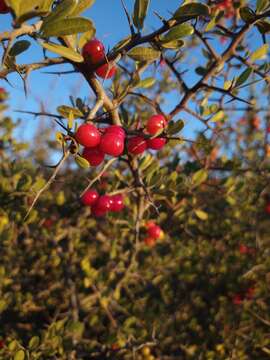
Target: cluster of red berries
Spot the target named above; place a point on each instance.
(227, 7)
(246, 250)
(4, 9)
(154, 233)
(111, 140)
(247, 295)
(267, 208)
(102, 204)
(93, 53)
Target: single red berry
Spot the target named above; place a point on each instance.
(117, 203)
(2, 344)
(115, 129)
(237, 299)
(4, 9)
(154, 231)
(48, 223)
(267, 208)
(90, 197)
(88, 135)
(93, 155)
(268, 129)
(243, 249)
(155, 124)
(2, 90)
(106, 71)
(136, 145)
(103, 203)
(95, 211)
(150, 241)
(93, 51)
(112, 144)
(250, 293)
(156, 143)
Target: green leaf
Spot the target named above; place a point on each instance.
(175, 44)
(140, 53)
(85, 37)
(82, 6)
(146, 83)
(20, 355)
(19, 47)
(202, 215)
(263, 26)
(199, 177)
(28, 9)
(218, 116)
(66, 110)
(33, 343)
(175, 127)
(47, 5)
(260, 53)
(66, 27)
(64, 51)
(247, 14)
(14, 5)
(191, 10)
(61, 11)
(243, 77)
(82, 162)
(178, 32)
(139, 12)
(262, 5)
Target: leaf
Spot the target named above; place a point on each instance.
(140, 53)
(14, 5)
(199, 177)
(202, 215)
(64, 51)
(146, 83)
(175, 127)
(85, 37)
(262, 5)
(139, 12)
(28, 9)
(82, 162)
(19, 47)
(247, 14)
(191, 10)
(61, 11)
(175, 44)
(178, 32)
(122, 43)
(218, 116)
(82, 6)
(59, 137)
(33, 343)
(260, 53)
(243, 77)
(66, 110)
(66, 27)
(20, 355)
(263, 26)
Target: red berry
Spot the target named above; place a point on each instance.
(48, 223)
(156, 143)
(237, 299)
(4, 9)
(112, 144)
(117, 203)
(154, 231)
(93, 155)
(115, 129)
(93, 51)
(106, 71)
(90, 197)
(97, 212)
(155, 124)
(267, 208)
(103, 204)
(136, 145)
(250, 293)
(150, 241)
(88, 135)
(243, 249)
(268, 129)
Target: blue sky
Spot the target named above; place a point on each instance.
(51, 91)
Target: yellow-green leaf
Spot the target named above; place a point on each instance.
(65, 111)
(199, 177)
(140, 53)
(82, 162)
(218, 116)
(139, 13)
(260, 53)
(20, 355)
(66, 27)
(191, 10)
(178, 32)
(82, 6)
(64, 51)
(202, 215)
(61, 11)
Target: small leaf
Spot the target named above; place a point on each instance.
(263, 26)
(199, 177)
(64, 51)
(82, 162)
(82, 6)
(259, 53)
(20, 355)
(85, 37)
(65, 111)
(261, 5)
(191, 10)
(175, 127)
(66, 27)
(139, 12)
(175, 44)
(242, 78)
(61, 11)
(218, 116)
(140, 53)
(202, 215)
(247, 14)
(146, 83)
(33, 343)
(178, 32)
(19, 47)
